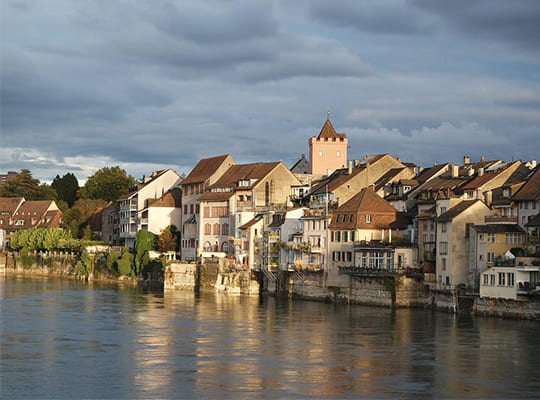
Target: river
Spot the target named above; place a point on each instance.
(67, 339)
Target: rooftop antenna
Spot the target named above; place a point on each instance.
(327, 114)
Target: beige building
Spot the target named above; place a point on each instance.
(452, 265)
(205, 173)
(328, 151)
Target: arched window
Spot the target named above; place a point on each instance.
(225, 229)
(216, 229)
(207, 246)
(207, 229)
(225, 247)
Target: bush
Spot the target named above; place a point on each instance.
(125, 264)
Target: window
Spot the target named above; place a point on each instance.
(225, 247)
(338, 153)
(425, 225)
(444, 264)
(491, 238)
(490, 257)
(486, 279)
(513, 237)
(443, 210)
(216, 229)
(19, 222)
(443, 226)
(368, 218)
(425, 237)
(185, 209)
(320, 153)
(332, 236)
(345, 236)
(338, 236)
(207, 229)
(510, 279)
(481, 257)
(352, 236)
(443, 248)
(501, 278)
(492, 279)
(225, 229)
(349, 256)
(448, 280)
(197, 209)
(207, 246)
(191, 208)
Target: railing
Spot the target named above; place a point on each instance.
(500, 219)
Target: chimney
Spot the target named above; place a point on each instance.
(350, 168)
(398, 159)
(356, 163)
(488, 197)
(454, 171)
(466, 160)
(480, 171)
(420, 169)
(482, 159)
(470, 171)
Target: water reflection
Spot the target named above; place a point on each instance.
(67, 339)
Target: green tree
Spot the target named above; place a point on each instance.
(168, 240)
(108, 183)
(125, 264)
(76, 219)
(144, 242)
(22, 185)
(66, 188)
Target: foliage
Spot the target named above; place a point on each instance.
(84, 265)
(108, 183)
(66, 188)
(155, 269)
(25, 185)
(43, 239)
(169, 239)
(77, 218)
(112, 261)
(144, 242)
(125, 264)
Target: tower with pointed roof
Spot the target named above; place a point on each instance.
(328, 151)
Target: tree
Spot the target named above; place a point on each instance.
(168, 239)
(108, 183)
(25, 185)
(144, 242)
(125, 264)
(66, 188)
(76, 218)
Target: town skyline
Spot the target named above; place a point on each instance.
(147, 87)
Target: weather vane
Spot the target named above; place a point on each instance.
(328, 114)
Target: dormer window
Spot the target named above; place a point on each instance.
(19, 222)
(368, 218)
(243, 183)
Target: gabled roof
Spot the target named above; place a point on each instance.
(173, 198)
(336, 179)
(238, 172)
(366, 200)
(480, 181)
(427, 214)
(277, 220)
(204, 169)
(531, 189)
(35, 213)
(387, 177)
(301, 166)
(456, 210)
(143, 184)
(10, 204)
(328, 132)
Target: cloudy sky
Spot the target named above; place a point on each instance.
(153, 84)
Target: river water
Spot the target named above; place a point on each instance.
(66, 339)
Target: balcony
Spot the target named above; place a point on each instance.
(144, 221)
(500, 219)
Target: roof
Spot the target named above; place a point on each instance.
(204, 169)
(335, 180)
(301, 166)
(10, 204)
(215, 196)
(427, 214)
(251, 222)
(429, 173)
(480, 181)
(403, 220)
(439, 183)
(173, 198)
(351, 215)
(277, 220)
(151, 178)
(240, 172)
(387, 177)
(497, 228)
(535, 221)
(456, 210)
(328, 132)
(531, 189)
(35, 213)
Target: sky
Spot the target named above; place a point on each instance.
(159, 84)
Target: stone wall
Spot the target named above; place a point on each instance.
(180, 276)
(507, 308)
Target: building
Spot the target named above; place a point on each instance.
(133, 204)
(205, 173)
(328, 151)
(5, 178)
(527, 198)
(162, 212)
(452, 260)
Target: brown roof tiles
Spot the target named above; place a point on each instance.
(204, 169)
(531, 189)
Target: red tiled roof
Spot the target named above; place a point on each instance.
(351, 215)
(531, 189)
(204, 169)
(240, 172)
(32, 213)
(173, 198)
(9, 204)
(429, 173)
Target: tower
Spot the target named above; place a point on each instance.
(328, 151)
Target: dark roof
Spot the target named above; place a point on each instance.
(35, 213)
(301, 166)
(204, 169)
(429, 173)
(535, 221)
(456, 210)
(240, 172)
(403, 220)
(9, 204)
(328, 132)
(173, 198)
(498, 228)
(335, 180)
(251, 222)
(277, 220)
(427, 214)
(215, 196)
(531, 189)
(387, 177)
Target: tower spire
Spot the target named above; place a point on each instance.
(327, 114)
